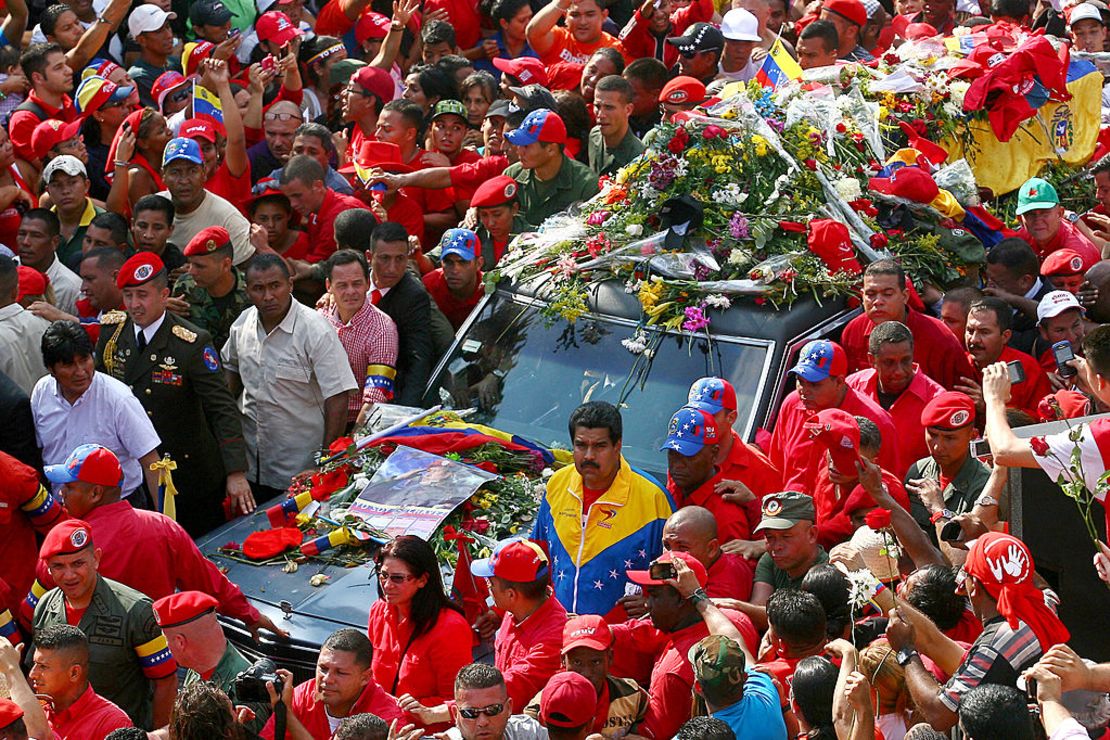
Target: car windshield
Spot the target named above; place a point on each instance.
(525, 375)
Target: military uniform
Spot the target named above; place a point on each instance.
(231, 665)
(606, 161)
(127, 649)
(539, 199)
(491, 253)
(214, 315)
(177, 377)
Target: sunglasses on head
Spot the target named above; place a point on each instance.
(475, 712)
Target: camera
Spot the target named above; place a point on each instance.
(662, 571)
(250, 684)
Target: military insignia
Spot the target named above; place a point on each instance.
(959, 418)
(113, 317)
(144, 272)
(211, 359)
(772, 507)
(79, 538)
(182, 333)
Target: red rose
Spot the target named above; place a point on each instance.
(811, 164)
(841, 128)
(1040, 447)
(678, 142)
(792, 226)
(879, 240)
(340, 445)
(325, 484)
(878, 519)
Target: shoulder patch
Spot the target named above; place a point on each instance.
(181, 332)
(211, 359)
(114, 317)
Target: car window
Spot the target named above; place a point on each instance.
(526, 375)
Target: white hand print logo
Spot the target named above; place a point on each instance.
(1015, 564)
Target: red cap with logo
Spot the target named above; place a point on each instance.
(198, 128)
(496, 191)
(643, 577)
(831, 241)
(515, 559)
(208, 240)
(275, 27)
(528, 70)
(182, 607)
(139, 269)
(683, 90)
(66, 538)
(51, 132)
(1062, 262)
(371, 25)
(569, 700)
(949, 410)
(376, 81)
(838, 431)
(588, 631)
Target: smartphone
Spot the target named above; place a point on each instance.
(233, 33)
(269, 63)
(1062, 353)
(1017, 372)
(950, 532)
(662, 571)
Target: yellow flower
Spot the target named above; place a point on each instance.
(302, 519)
(884, 113)
(650, 293)
(760, 145)
(657, 310)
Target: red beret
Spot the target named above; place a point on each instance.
(949, 410)
(9, 712)
(1062, 262)
(838, 431)
(208, 240)
(852, 10)
(139, 269)
(683, 90)
(271, 542)
(182, 607)
(495, 192)
(68, 537)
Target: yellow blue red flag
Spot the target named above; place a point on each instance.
(778, 67)
(206, 104)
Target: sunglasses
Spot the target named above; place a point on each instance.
(180, 97)
(474, 712)
(396, 578)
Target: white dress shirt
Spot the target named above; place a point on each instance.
(21, 345)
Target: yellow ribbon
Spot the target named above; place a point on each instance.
(165, 468)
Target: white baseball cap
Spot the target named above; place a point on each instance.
(1055, 303)
(66, 163)
(147, 18)
(1085, 12)
(740, 25)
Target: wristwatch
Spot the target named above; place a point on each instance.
(699, 596)
(904, 656)
(986, 500)
(942, 514)
(102, 19)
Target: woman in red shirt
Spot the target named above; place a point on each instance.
(420, 637)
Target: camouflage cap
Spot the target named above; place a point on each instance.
(718, 662)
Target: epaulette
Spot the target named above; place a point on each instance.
(114, 317)
(182, 333)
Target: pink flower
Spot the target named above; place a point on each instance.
(696, 319)
(597, 218)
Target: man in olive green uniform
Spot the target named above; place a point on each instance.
(499, 217)
(188, 619)
(549, 180)
(213, 293)
(174, 369)
(612, 144)
(128, 655)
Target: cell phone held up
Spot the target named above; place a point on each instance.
(1016, 371)
(1063, 354)
(268, 63)
(662, 571)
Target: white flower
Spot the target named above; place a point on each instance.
(738, 256)
(717, 301)
(848, 189)
(634, 229)
(636, 344)
(952, 109)
(957, 89)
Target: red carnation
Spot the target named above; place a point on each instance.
(811, 164)
(878, 519)
(793, 226)
(879, 240)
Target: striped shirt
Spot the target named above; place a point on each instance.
(999, 655)
(370, 341)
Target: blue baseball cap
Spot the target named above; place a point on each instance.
(461, 242)
(181, 148)
(89, 463)
(712, 395)
(821, 359)
(539, 125)
(690, 431)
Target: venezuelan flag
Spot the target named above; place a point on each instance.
(778, 67)
(206, 104)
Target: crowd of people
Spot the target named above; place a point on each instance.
(230, 228)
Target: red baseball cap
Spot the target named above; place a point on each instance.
(515, 559)
(528, 70)
(208, 240)
(949, 410)
(87, 463)
(377, 82)
(1062, 262)
(830, 240)
(182, 607)
(911, 183)
(643, 577)
(10, 712)
(51, 132)
(139, 269)
(838, 431)
(383, 155)
(31, 282)
(588, 631)
(166, 83)
(275, 26)
(371, 25)
(198, 128)
(683, 90)
(496, 191)
(569, 700)
(1063, 404)
(851, 10)
(66, 538)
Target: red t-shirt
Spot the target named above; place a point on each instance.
(299, 249)
(91, 717)
(590, 495)
(568, 49)
(732, 519)
(463, 16)
(235, 190)
(321, 224)
(935, 348)
(529, 653)
(751, 467)
(1067, 237)
(730, 577)
(905, 412)
(455, 309)
(1027, 395)
(833, 524)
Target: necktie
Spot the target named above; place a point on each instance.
(375, 296)
(141, 340)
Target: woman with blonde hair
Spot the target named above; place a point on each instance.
(892, 701)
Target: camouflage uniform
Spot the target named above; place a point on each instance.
(214, 315)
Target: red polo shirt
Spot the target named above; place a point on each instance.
(732, 519)
(427, 669)
(25, 506)
(91, 717)
(905, 412)
(456, 310)
(529, 653)
(1067, 237)
(22, 123)
(1025, 396)
(312, 713)
(321, 224)
(935, 348)
(730, 577)
(751, 467)
(795, 453)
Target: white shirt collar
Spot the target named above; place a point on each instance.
(1032, 294)
(151, 330)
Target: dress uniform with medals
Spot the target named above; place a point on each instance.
(174, 370)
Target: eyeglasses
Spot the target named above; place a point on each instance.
(356, 91)
(395, 578)
(474, 712)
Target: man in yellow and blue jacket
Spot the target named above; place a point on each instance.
(600, 517)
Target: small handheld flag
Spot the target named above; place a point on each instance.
(206, 104)
(778, 67)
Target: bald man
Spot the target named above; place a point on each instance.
(279, 124)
